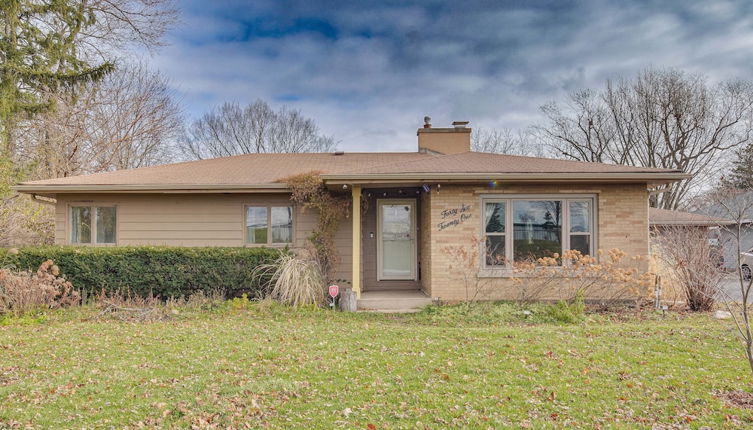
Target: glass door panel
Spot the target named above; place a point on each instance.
(398, 248)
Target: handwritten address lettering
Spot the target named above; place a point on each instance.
(455, 211)
(458, 216)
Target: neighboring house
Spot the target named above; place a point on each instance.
(664, 218)
(407, 208)
(726, 238)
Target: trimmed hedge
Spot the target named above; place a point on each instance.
(162, 271)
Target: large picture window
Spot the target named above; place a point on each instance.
(269, 225)
(93, 224)
(526, 229)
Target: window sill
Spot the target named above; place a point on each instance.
(510, 273)
(268, 245)
(497, 273)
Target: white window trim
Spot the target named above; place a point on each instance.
(507, 270)
(269, 207)
(93, 208)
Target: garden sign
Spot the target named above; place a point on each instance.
(334, 290)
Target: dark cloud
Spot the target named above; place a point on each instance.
(369, 70)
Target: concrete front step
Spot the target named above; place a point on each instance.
(393, 301)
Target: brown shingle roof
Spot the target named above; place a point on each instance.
(247, 169)
(664, 217)
(267, 170)
(480, 162)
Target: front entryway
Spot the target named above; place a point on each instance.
(391, 240)
(396, 241)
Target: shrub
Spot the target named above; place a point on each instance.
(609, 277)
(568, 312)
(295, 280)
(23, 292)
(693, 262)
(146, 271)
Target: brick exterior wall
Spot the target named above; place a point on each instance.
(622, 222)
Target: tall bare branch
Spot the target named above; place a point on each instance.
(128, 120)
(231, 130)
(660, 118)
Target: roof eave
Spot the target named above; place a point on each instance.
(656, 178)
(337, 179)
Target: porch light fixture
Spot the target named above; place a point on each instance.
(345, 186)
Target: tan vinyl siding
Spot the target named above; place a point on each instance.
(61, 218)
(193, 220)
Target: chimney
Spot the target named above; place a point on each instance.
(450, 140)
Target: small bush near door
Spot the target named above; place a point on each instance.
(160, 271)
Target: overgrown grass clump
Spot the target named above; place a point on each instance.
(492, 313)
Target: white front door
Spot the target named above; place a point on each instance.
(396, 247)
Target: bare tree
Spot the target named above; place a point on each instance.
(60, 46)
(59, 116)
(22, 221)
(231, 130)
(505, 141)
(660, 118)
(119, 23)
(128, 120)
(736, 206)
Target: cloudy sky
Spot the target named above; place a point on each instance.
(368, 71)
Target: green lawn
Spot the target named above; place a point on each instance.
(272, 367)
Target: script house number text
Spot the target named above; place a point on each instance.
(455, 216)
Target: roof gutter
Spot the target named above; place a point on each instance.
(150, 188)
(340, 179)
(44, 200)
(535, 177)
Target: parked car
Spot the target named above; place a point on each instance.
(746, 262)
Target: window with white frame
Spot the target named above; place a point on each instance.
(526, 229)
(93, 225)
(267, 225)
